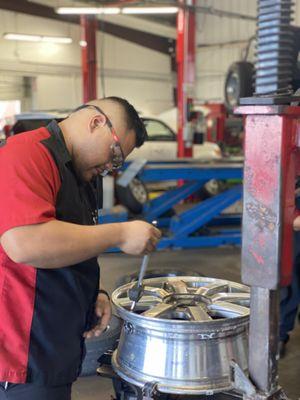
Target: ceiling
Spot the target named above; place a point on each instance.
(158, 34)
(165, 19)
(169, 20)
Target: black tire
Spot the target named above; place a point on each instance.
(97, 346)
(210, 189)
(238, 83)
(155, 273)
(133, 196)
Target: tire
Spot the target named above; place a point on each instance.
(97, 346)
(238, 83)
(134, 196)
(210, 189)
(155, 273)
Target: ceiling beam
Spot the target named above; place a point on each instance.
(154, 42)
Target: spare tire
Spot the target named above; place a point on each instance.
(97, 346)
(134, 196)
(238, 83)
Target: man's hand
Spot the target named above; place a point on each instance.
(296, 224)
(139, 237)
(103, 312)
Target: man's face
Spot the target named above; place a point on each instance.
(105, 148)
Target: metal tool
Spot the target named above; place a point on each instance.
(136, 292)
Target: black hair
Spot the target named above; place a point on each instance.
(134, 122)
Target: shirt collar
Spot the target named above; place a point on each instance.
(55, 131)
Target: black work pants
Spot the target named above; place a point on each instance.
(28, 391)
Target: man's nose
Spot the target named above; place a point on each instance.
(109, 166)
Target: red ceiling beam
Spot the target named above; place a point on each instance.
(145, 39)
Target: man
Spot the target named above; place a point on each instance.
(290, 295)
(49, 274)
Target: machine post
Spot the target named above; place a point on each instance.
(270, 172)
(186, 53)
(272, 127)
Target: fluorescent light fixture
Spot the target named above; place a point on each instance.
(56, 39)
(116, 10)
(149, 10)
(88, 10)
(37, 38)
(19, 36)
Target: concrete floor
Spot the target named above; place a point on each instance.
(218, 263)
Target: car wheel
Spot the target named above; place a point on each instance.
(134, 196)
(97, 346)
(238, 83)
(210, 189)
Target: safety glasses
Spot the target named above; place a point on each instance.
(117, 156)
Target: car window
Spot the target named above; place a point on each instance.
(158, 131)
(23, 125)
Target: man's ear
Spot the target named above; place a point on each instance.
(96, 122)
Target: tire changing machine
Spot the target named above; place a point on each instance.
(272, 129)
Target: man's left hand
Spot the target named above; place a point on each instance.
(103, 312)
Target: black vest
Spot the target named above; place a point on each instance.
(65, 297)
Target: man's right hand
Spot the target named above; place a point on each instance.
(296, 224)
(138, 237)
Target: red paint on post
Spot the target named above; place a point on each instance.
(89, 57)
(185, 56)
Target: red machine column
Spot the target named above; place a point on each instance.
(272, 126)
(89, 57)
(186, 54)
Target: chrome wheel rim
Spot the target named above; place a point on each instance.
(187, 299)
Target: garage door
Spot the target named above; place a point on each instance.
(11, 87)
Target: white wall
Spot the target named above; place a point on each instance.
(134, 72)
(213, 62)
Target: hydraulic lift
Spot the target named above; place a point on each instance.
(202, 224)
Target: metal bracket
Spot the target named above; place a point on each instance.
(131, 172)
(243, 384)
(149, 390)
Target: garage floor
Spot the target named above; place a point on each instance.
(219, 263)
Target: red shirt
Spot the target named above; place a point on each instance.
(29, 182)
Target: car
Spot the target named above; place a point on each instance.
(161, 143)
(29, 121)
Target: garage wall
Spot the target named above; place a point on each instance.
(141, 75)
(214, 61)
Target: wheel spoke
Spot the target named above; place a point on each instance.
(144, 302)
(156, 292)
(228, 310)
(212, 289)
(158, 310)
(180, 287)
(242, 299)
(198, 313)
